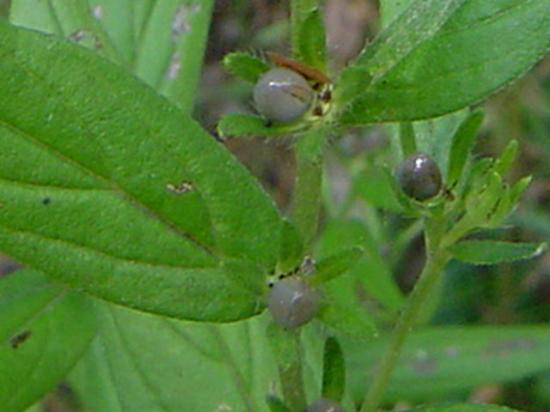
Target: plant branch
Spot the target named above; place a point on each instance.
(288, 355)
(308, 184)
(436, 261)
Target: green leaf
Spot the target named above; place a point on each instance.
(334, 370)
(461, 146)
(162, 43)
(490, 252)
(189, 24)
(463, 407)
(247, 125)
(170, 47)
(245, 66)
(372, 270)
(75, 21)
(292, 247)
(335, 265)
(312, 41)
(460, 36)
(343, 312)
(506, 159)
(44, 330)
(518, 188)
(276, 405)
(376, 185)
(114, 20)
(141, 362)
(435, 136)
(390, 9)
(107, 187)
(449, 361)
(352, 79)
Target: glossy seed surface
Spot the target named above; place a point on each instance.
(292, 302)
(419, 177)
(325, 405)
(282, 95)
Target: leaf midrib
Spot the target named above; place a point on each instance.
(108, 184)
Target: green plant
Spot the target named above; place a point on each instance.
(150, 250)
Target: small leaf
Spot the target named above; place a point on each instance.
(462, 143)
(506, 159)
(463, 407)
(376, 186)
(490, 252)
(502, 209)
(335, 265)
(334, 370)
(372, 270)
(518, 188)
(291, 247)
(245, 66)
(312, 47)
(247, 125)
(342, 310)
(44, 330)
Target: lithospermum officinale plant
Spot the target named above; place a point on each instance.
(150, 254)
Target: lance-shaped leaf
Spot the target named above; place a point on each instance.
(463, 407)
(490, 252)
(311, 46)
(441, 55)
(436, 363)
(461, 146)
(44, 330)
(245, 66)
(106, 186)
(334, 370)
(248, 125)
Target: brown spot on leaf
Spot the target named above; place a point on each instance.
(180, 188)
(504, 348)
(20, 338)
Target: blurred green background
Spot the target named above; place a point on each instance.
(516, 293)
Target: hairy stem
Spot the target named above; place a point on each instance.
(307, 187)
(288, 355)
(436, 261)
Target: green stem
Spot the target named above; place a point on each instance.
(436, 261)
(307, 196)
(407, 139)
(288, 355)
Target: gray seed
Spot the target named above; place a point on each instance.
(282, 95)
(292, 302)
(419, 177)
